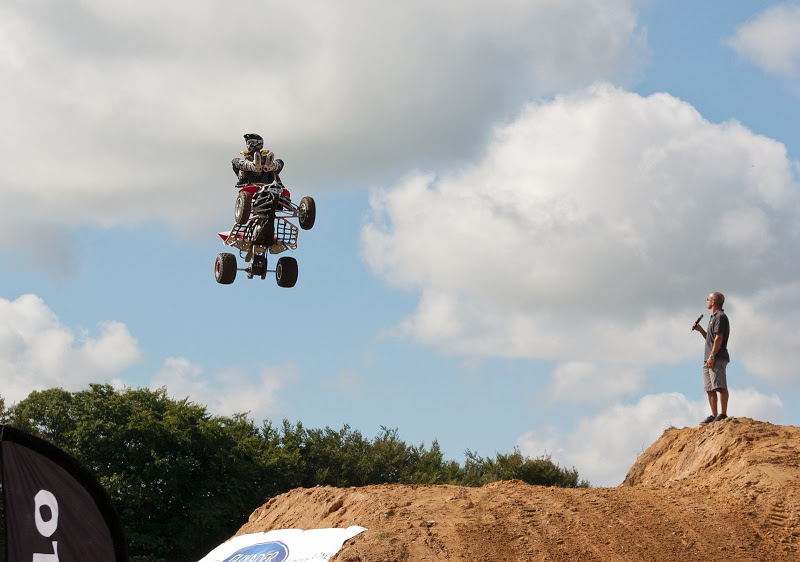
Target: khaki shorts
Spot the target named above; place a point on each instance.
(716, 378)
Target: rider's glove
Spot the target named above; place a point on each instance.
(268, 161)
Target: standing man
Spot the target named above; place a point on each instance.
(716, 357)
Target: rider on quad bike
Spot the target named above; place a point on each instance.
(257, 165)
(263, 213)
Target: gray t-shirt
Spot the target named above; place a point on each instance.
(718, 324)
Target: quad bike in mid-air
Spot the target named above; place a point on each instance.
(262, 227)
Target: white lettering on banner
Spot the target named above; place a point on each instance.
(46, 528)
(45, 498)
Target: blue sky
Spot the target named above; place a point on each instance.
(522, 207)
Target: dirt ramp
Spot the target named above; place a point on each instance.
(724, 492)
(735, 454)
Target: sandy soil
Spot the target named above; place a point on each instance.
(728, 491)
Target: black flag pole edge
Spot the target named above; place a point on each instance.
(53, 504)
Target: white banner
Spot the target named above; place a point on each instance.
(284, 545)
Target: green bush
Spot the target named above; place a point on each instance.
(479, 471)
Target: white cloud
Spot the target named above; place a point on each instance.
(603, 448)
(37, 352)
(763, 328)
(591, 231)
(14, 41)
(771, 40)
(576, 381)
(126, 112)
(228, 392)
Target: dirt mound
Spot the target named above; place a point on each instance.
(737, 454)
(728, 491)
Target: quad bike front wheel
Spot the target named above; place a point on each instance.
(286, 272)
(244, 203)
(225, 269)
(307, 213)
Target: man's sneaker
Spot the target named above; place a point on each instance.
(720, 417)
(708, 420)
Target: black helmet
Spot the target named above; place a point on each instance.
(253, 141)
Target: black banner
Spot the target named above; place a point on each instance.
(54, 508)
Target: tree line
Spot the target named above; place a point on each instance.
(183, 480)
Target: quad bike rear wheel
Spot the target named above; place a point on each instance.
(225, 269)
(286, 272)
(307, 213)
(244, 203)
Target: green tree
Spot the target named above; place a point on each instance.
(540, 471)
(345, 457)
(45, 414)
